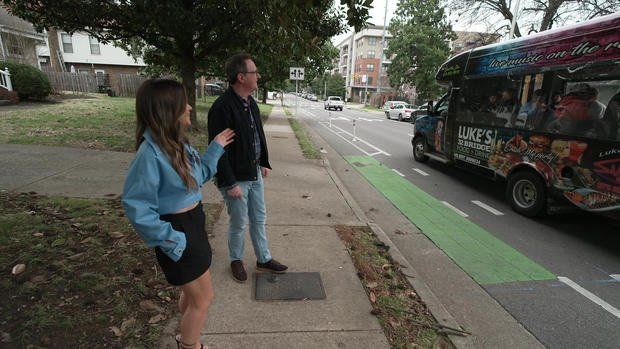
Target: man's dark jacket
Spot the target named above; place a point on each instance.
(238, 163)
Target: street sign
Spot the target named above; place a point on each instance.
(297, 73)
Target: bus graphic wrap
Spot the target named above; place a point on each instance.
(554, 51)
(589, 177)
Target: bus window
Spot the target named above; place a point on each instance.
(490, 101)
(583, 112)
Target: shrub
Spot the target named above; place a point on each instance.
(29, 82)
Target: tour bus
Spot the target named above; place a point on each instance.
(541, 112)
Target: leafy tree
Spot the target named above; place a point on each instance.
(533, 15)
(192, 37)
(336, 85)
(419, 46)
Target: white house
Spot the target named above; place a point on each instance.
(82, 53)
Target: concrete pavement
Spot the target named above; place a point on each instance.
(305, 199)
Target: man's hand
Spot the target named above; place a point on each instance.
(264, 171)
(235, 192)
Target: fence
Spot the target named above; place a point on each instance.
(66, 81)
(127, 84)
(124, 85)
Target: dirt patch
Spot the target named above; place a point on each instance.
(406, 321)
(89, 280)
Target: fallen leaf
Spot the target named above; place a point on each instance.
(386, 266)
(306, 197)
(58, 242)
(372, 297)
(116, 331)
(115, 234)
(372, 285)
(148, 305)
(86, 240)
(76, 256)
(127, 323)
(38, 234)
(157, 318)
(18, 269)
(399, 232)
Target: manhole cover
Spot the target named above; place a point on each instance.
(289, 286)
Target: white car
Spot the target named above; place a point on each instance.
(401, 112)
(389, 105)
(333, 102)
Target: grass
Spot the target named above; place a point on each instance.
(406, 321)
(93, 122)
(307, 147)
(81, 283)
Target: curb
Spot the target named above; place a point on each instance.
(436, 308)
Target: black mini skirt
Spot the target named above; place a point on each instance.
(196, 258)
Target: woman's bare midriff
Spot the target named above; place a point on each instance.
(188, 208)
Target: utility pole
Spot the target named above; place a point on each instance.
(382, 49)
(514, 19)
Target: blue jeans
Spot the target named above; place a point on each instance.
(253, 206)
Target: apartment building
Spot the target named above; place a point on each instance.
(359, 59)
(360, 54)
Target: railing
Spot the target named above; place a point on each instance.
(5, 79)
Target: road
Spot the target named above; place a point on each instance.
(563, 281)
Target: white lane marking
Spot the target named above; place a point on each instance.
(341, 131)
(410, 134)
(615, 276)
(590, 296)
(487, 207)
(400, 174)
(455, 209)
(420, 172)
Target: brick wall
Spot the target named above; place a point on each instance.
(9, 95)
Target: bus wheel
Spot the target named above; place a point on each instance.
(418, 150)
(526, 193)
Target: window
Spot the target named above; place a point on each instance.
(371, 54)
(84, 71)
(13, 45)
(67, 46)
(372, 41)
(94, 45)
(370, 80)
(370, 67)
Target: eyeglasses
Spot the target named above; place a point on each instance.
(252, 72)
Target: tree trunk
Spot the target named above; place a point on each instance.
(264, 95)
(188, 69)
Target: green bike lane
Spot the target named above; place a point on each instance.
(486, 259)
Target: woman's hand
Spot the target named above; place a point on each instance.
(225, 137)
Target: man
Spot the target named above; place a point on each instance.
(243, 166)
(533, 114)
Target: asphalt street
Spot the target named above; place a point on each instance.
(562, 282)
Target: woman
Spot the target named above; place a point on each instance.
(162, 197)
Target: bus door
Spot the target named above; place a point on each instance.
(436, 134)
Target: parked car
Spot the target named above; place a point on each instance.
(312, 97)
(401, 112)
(419, 111)
(390, 105)
(333, 102)
(213, 90)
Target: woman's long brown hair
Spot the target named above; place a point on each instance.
(159, 104)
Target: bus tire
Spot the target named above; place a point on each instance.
(419, 148)
(526, 193)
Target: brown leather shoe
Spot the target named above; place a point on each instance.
(272, 266)
(238, 271)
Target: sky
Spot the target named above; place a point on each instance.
(377, 14)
